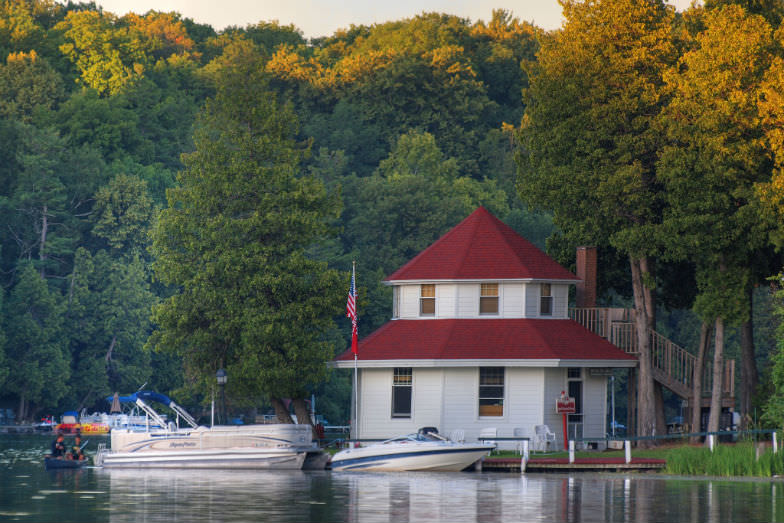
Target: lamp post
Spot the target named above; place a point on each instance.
(221, 377)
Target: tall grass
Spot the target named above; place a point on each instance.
(725, 460)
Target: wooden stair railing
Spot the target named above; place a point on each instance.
(673, 366)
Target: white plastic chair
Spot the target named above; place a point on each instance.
(489, 432)
(457, 435)
(543, 437)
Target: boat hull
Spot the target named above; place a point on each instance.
(245, 447)
(281, 459)
(62, 463)
(411, 457)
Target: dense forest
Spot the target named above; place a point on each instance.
(131, 148)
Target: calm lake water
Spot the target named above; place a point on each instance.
(28, 493)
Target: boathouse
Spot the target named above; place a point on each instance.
(480, 338)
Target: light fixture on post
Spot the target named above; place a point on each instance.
(221, 376)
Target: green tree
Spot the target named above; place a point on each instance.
(589, 145)
(33, 325)
(233, 242)
(107, 321)
(51, 196)
(103, 51)
(27, 84)
(124, 213)
(5, 366)
(773, 408)
(717, 156)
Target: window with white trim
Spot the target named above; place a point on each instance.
(546, 300)
(574, 383)
(402, 383)
(396, 301)
(491, 391)
(427, 299)
(488, 298)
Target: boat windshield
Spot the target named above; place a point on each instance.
(417, 437)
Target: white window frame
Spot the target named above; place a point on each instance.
(545, 299)
(402, 372)
(485, 294)
(431, 300)
(480, 396)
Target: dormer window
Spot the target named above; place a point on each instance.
(488, 298)
(427, 299)
(546, 300)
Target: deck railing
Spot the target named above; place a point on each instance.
(673, 365)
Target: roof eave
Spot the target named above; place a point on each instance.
(480, 362)
(477, 280)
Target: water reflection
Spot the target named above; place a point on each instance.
(28, 493)
(421, 497)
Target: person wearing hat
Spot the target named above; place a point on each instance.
(76, 450)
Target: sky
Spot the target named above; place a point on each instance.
(323, 17)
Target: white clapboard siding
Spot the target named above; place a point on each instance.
(427, 394)
(446, 300)
(511, 305)
(532, 293)
(555, 382)
(468, 301)
(560, 301)
(409, 301)
(461, 397)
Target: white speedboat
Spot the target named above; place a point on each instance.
(274, 446)
(421, 451)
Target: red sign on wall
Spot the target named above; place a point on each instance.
(565, 405)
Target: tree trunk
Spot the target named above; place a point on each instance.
(718, 372)
(281, 412)
(644, 319)
(699, 370)
(749, 377)
(303, 415)
(22, 414)
(44, 230)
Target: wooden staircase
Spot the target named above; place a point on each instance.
(673, 366)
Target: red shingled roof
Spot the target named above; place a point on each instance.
(481, 247)
(507, 339)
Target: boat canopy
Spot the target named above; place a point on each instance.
(139, 399)
(145, 395)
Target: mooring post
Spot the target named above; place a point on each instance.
(775, 443)
(710, 442)
(571, 451)
(524, 461)
(627, 446)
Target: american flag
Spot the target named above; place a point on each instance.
(351, 312)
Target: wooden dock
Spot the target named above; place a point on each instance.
(606, 464)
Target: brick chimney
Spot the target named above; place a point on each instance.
(586, 271)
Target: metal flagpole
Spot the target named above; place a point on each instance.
(356, 401)
(356, 390)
